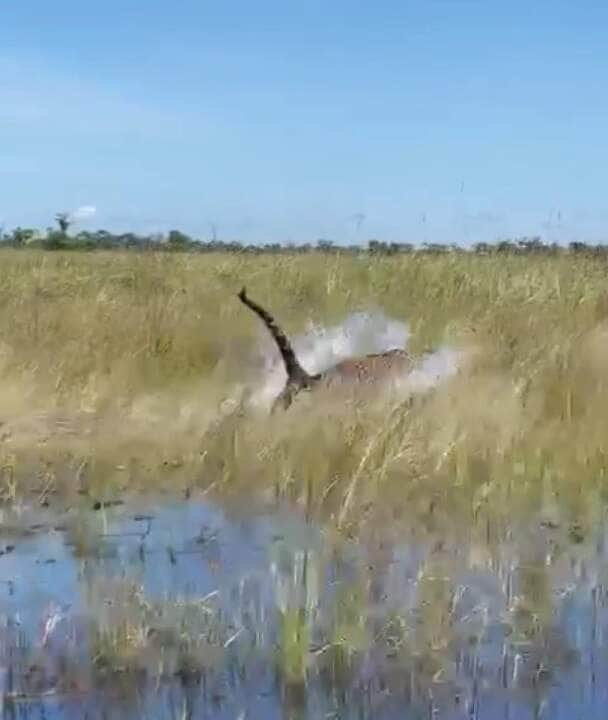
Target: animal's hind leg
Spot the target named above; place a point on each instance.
(283, 400)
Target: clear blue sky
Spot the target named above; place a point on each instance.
(436, 120)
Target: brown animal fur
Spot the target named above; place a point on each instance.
(367, 369)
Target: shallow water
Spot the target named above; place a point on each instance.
(187, 610)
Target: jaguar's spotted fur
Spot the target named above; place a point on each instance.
(369, 368)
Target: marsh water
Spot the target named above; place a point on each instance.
(192, 610)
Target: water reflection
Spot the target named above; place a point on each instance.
(182, 611)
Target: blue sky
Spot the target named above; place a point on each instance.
(435, 120)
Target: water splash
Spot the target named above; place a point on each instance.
(361, 333)
(433, 369)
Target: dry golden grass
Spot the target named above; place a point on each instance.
(113, 367)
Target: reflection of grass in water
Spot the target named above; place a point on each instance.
(164, 638)
(294, 644)
(349, 631)
(429, 639)
(348, 636)
(295, 577)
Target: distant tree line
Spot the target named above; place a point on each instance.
(59, 238)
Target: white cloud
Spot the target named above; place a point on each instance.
(83, 213)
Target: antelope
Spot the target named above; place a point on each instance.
(370, 368)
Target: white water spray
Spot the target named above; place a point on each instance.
(360, 334)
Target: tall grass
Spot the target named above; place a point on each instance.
(114, 366)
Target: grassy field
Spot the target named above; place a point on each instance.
(113, 368)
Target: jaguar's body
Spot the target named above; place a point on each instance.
(366, 369)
